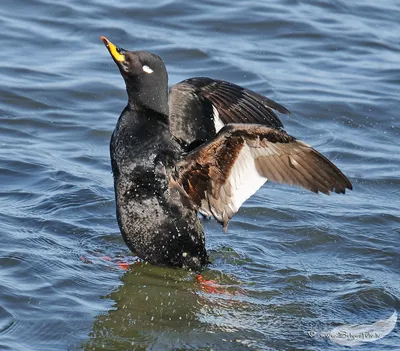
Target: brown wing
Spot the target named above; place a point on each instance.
(221, 174)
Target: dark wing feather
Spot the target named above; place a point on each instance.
(193, 103)
(221, 174)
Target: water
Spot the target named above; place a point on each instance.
(292, 262)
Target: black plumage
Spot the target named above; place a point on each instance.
(195, 104)
(171, 161)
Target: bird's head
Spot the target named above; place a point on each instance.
(145, 76)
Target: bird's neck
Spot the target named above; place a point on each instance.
(136, 114)
(155, 99)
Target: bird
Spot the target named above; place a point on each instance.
(203, 147)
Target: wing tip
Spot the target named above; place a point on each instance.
(337, 188)
(342, 189)
(284, 110)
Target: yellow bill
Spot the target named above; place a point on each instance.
(113, 50)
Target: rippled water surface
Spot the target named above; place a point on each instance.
(292, 263)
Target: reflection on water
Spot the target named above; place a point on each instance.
(162, 307)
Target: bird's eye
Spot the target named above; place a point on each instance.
(147, 69)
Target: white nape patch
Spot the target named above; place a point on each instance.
(147, 69)
(244, 179)
(218, 124)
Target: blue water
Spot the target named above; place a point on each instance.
(292, 261)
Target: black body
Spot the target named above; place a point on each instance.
(154, 223)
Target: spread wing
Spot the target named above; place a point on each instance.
(200, 107)
(220, 175)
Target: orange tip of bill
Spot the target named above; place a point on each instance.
(114, 50)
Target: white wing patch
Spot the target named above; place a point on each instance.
(218, 124)
(147, 69)
(244, 180)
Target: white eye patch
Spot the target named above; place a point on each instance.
(147, 69)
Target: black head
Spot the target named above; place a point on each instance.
(145, 77)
